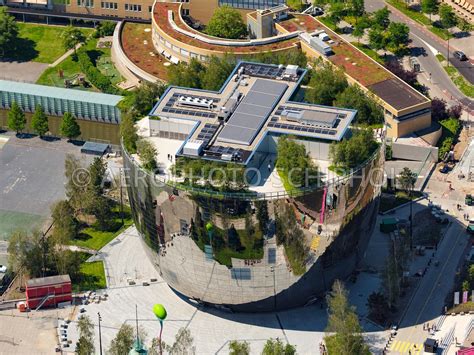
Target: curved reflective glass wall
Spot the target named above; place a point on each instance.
(254, 252)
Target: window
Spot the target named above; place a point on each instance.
(251, 4)
(186, 12)
(133, 7)
(85, 3)
(109, 5)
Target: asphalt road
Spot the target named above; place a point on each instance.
(428, 301)
(421, 40)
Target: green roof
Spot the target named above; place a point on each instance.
(59, 93)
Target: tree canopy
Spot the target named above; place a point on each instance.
(429, 6)
(85, 344)
(325, 84)
(407, 180)
(123, 341)
(239, 348)
(139, 102)
(277, 347)
(8, 31)
(69, 127)
(128, 132)
(447, 16)
(147, 153)
(226, 22)
(368, 111)
(343, 322)
(349, 153)
(71, 37)
(39, 121)
(16, 118)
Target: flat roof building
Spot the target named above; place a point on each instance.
(56, 101)
(254, 102)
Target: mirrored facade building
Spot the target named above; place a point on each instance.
(263, 246)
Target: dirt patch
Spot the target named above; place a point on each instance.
(426, 231)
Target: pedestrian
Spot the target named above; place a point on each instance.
(269, 167)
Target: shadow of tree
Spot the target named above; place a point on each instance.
(23, 50)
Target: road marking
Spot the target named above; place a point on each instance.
(405, 347)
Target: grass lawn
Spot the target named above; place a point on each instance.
(451, 127)
(458, 80)
(420, 18)
(92, 276)
(41, 43)
(93, 238)
(71, 68)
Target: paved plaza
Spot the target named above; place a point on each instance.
(125, 259)
(22, 71)
(31, 180)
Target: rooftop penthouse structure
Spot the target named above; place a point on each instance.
(260, 247)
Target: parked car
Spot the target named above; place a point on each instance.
(3, 269)
(317, 11)
(444, 169)
(460, 55)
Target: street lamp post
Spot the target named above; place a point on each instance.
(100, 334)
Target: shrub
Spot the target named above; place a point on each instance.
(99, 80)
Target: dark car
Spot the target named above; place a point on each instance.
(444, 169)
(460, 55)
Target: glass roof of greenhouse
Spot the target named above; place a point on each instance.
(59, 93)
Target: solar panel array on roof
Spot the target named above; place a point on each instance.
(252, 112)
(300, 128)
(263, 71)
(207, 132)
(188, 112)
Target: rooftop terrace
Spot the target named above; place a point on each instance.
(230, 124)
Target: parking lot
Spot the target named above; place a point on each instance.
(31, 180)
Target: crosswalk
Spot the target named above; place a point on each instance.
(405, 347)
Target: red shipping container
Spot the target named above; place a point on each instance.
(48, 291)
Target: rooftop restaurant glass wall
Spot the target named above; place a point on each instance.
(211, 246)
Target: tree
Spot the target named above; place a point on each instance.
(361, 25)
(72, 37)
(438, 109)
(85, 345)
(16, 118)
(368, 111)
(455, 111)
(65, 223)
(147, 153)
(105, 28)
(8, 31)
(216, 73)
(140, 101)
(276, 347)
(77, 180)
(186, 75)
(262, 214)
(357, 8)
(343, 322)
(408, 76)
(294, 163)
(226, 22)
(407, 180)
(325, 83)
(128, 131)
(69, 126)
(429, 7)
(26, 250)
(381, 18)
(397, 37)
(378, 307)
(376, 38)
(239, 348)
(183, 344)
(447, 16)
(464, 25)
(296, 5)
(123, 341)
(337, 11)
(350, 153)
(39, 121)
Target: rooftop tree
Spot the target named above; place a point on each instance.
(147, 153)
(325, 83)
(349, 153)
(368, 111)
(226, 22)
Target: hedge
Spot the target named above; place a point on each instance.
(99, 80)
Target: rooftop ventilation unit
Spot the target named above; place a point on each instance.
(193, 147)
(195, 102)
